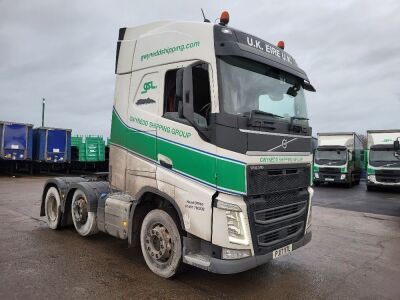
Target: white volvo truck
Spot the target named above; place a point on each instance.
(383, 158)
(338, 158)
(210, 155)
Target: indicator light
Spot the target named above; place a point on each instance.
(281, 44)
(224, 18)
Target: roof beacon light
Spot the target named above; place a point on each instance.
(224, 18)
(281, 44)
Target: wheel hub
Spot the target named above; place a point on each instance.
(80, 210)
(159, 243)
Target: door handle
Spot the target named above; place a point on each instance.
(165, 161)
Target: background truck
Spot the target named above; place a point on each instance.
(210, 152)
(338, 158)
(383, 158)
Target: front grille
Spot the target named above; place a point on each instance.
(279, 213)
(280, 235)
(263, 179)
(387, 176)
(329, 170)
(395, 173)
(278, 218)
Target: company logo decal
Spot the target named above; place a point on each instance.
(148, 86)
(145, 101)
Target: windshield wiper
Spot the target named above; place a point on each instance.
(298, 118)
(265, 113)
(295, 118)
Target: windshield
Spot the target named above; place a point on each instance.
(248, 85)
(326, 156)
(383, 155)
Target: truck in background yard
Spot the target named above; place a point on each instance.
(383, 158)
(210, 152)
(338, 158)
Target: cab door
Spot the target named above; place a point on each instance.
(186, 158)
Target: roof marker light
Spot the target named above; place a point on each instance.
(281, 44)
(224, 18)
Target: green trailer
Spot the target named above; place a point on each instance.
(88, 148)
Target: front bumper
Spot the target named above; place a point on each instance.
(372, 181)
(222, 266)
(334, 177)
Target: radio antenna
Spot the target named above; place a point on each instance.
(204, 17)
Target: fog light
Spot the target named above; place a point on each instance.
(235, 253)
(343, 176)
(316, 175)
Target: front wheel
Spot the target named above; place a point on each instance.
(85, 222)
(161, 243)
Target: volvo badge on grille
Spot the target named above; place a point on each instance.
(284, 143)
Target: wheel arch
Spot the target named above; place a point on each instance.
(149, 198)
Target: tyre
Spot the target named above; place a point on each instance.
(161, 243)
(370, 188)
(53, 208)
(85, 222)
(316, 183)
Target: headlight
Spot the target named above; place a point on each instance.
(343, 176)
(235, 253)
(237, 233)
(316, 175)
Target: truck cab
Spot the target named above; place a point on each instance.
(338, 158)
(210, 151)
(383, 159)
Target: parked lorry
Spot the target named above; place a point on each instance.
(383, 158)
(338, 158)
(210, 152)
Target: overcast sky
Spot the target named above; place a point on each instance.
(65, 51)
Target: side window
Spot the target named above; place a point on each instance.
(170, 100)
(201, 95)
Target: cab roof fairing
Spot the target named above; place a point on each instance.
(230, 41)
(137, 44)
(382, 137)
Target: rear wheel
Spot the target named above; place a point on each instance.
(161, 243)
(316, 183)
(53, 208)
(85, 222)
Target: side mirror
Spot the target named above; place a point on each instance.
(396, 145)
